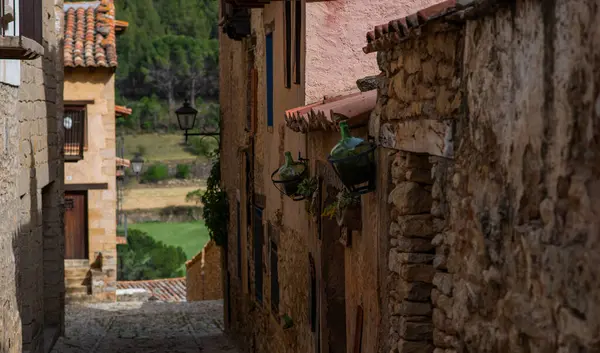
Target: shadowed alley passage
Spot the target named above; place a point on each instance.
(149, 327)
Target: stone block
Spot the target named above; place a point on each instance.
(422, 176)
(443, 282)
(414, 291)
(413, 258)
(422, 225)
(414, 245)
(410, 198)
(415, 346)
(415, 331)
(417, 272)
(408, 308)
(439, 262)
(443, 340)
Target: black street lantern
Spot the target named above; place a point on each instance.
(137, 163)
(186, 117)
(353, 160)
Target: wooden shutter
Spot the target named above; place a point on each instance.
(31, 19)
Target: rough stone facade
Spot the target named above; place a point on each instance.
(203, 274)
(31, 198)
(512, 187)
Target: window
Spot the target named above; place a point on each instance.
(252, 92)
(21, 35)
(248, 191)
(313, 294)
(274, 278)
(269, 60)
(75, 132)
(239, 241)
(298, 38)
(288, 43)
(258, 253)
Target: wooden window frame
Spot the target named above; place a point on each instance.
(274, 265)
(270, 79)
(239, 240)
(287, 19)
(298, 42)
(313, 310)
(257, 246)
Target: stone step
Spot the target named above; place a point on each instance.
(77, 298)
(77, 263)
(79, 272)
(76, 290)
(74, 282)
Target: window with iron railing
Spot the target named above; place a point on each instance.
(75, 132)
(21, 29)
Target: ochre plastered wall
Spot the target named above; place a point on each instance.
(31, 197)
(98, 166)
(335, 35)
(203, 274)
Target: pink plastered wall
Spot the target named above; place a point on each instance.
(335, 35)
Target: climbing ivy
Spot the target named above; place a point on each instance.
(216, 207)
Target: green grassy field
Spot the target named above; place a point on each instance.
(191, 236)
(161, 147)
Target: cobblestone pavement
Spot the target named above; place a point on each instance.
(149, 327)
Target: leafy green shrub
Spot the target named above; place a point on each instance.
(144, 258)
(156, 172)
(199, 146)
(216, 207)
(183, 171)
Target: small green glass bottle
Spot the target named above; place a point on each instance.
(290, 173)
(290, 169)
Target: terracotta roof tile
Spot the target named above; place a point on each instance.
(122, 162)
(122, 110)
(90, 39)
(326, 115)
(165, 290)
(398, 30)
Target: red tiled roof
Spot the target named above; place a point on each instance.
(121, 110)
(166, 290)
(355, 108)
(398, 30)
(121, 26)
(90, 39)
(122, 162)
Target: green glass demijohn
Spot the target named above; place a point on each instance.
(353, 160)
(348, 145)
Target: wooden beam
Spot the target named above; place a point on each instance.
(79, 102)
(85, 187)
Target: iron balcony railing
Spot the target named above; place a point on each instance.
(74, 123)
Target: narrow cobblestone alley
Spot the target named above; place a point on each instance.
(149, 327)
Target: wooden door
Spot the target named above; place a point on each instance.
(75, 226)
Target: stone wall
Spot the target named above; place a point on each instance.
(522, 221)
(514, 186)
(203, 274)
(31, 198)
